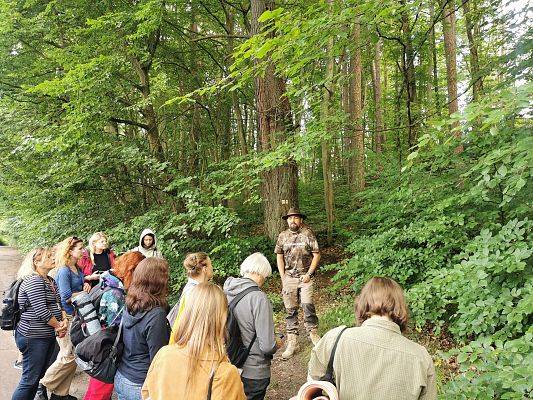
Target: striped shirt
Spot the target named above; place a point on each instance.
(40, 301)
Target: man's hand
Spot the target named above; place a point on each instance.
(305, 278)
(86, 287)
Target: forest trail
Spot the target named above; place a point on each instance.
(10, 260)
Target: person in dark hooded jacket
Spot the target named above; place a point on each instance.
(145, 327)
(254, 316)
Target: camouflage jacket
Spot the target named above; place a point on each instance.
(297, 249)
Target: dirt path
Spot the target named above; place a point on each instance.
(9, 377)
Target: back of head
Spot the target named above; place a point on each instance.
(126, 264)
(33, 259)
(202, 326)
(194, 262)
(256, 263)
(384, 297)
(149, 286)
(26, 267)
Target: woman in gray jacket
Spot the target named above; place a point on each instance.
(254, 316)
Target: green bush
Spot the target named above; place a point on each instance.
(493, 369)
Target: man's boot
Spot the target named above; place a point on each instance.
(292, 344)
(313, 335)
(41, 393)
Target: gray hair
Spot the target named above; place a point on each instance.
(256, 263)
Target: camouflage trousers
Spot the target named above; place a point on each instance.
(294, 292)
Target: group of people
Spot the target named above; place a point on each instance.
(181, 352)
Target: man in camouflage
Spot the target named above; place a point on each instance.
(297, 255)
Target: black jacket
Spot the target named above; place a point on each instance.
(143, 335)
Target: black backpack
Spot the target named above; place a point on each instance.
(237, 351)
(10, 307)
(77, 327)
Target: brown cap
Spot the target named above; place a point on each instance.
(293, 211)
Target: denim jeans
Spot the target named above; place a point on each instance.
(126, 389)
(36, 353)
(255, 389)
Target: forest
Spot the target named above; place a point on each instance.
(401, 128)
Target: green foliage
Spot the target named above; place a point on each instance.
(341, 314)
(493, 369)
(490, 292)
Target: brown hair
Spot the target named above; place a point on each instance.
(194, 262)
(63, 250)
(126, 264)
(149, 286)
(382, 296)
(202, 326)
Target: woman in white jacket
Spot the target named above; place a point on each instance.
(148, 244)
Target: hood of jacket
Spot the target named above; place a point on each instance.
(108, 279)
(143, 234)
(130, 321)
(233, 286)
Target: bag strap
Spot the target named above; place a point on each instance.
(119, 333)
(239, 297)
(329, 371)
(211, 379)
(236, 300)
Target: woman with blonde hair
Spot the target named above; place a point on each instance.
(98, 257)
(375, 359)
(26, 269)
(199, 269)
(196, 366)
(70, 282)
(145, 327)
(41, 319)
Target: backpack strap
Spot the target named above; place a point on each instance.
(210, 387)
(239, 297)
(236, 300)
(329, 371)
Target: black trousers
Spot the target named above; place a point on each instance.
(255, 389)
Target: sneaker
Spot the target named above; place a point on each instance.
(17, 364)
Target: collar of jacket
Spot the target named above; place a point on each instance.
(382, 323)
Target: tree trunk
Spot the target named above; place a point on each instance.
(279, 184)
(230, 26)
(148, 111)
(347, 138)
(450, 50)
(378, 106)
(433, 56)
(357, 181)
(325, 145)
(408, 67)
(472, 32)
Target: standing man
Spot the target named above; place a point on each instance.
(297, 255)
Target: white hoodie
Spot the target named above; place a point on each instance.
(150, 252)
